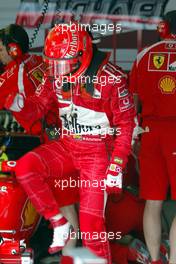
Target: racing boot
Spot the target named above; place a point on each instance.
(61, 234)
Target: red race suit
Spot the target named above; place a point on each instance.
(88, 141)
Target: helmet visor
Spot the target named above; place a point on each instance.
(61, 67)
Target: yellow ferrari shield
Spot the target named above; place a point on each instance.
(158, 61)
(38, 75)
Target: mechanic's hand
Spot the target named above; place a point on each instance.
(113, 180)
(135, 131)
(14, 102)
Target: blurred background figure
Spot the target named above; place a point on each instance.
(153, 82)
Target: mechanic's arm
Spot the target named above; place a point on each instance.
(33, 108)
(122, 107)
(7, 85)
(133, 86)
(134, 80)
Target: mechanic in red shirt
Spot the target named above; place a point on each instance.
(97, 124)
(22, 74)
(153, 81)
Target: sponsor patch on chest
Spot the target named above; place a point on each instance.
(167, 84)
(163, 61)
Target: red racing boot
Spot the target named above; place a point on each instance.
(61, 234)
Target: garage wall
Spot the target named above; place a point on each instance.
(124, 55)
(8, 10)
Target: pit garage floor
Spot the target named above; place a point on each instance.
(50, 260)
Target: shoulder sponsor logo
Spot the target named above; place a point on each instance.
(172, 66)
(125, 104)
(165, 61)
(122, 91)
(172, 62)
(167, 84)
(158, 61)
(38, 74)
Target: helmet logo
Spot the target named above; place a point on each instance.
(73, 48)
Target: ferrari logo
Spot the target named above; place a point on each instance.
(38, 75)
(158, 61)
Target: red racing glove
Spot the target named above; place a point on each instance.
(113, 180)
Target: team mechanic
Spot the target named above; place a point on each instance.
(90, 114)
(22, 75)
(157, 64)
